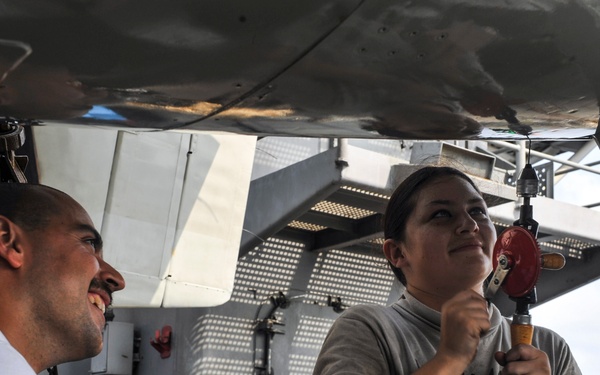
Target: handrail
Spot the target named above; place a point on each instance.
(567, 170)
(547, 156)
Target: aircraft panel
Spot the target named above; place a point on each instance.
(435, 69)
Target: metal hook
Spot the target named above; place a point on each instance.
(18, 44)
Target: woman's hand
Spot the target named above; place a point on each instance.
(524, 359)
(465, 318)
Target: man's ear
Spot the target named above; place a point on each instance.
(393, 251)
(10, 246)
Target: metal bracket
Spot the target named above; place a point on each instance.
(12, 166)
(500, 273)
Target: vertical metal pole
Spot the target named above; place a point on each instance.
(520, 161)
(342, 159)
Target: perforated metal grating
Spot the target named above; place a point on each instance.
(266, 269)
(311, 332)
(563, 246)
(216, 332)
(223, 366)
(226, 339)
(281, 152)
(306, 226)
(356, 278)
(342, 210)
(365, 192)
(301, 364)
(221, 345)
(377, 241)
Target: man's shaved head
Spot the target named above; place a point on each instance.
(30, 205)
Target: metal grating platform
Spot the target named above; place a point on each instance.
(353, 277)
(225, 340)
(272, 267)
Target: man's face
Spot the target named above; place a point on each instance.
(70, 284)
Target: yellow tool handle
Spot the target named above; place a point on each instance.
(521, 333)
(553, 261)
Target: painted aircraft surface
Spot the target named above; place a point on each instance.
(428, 69)
(370, 69)
(362, 69)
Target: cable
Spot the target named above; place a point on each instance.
(528, 150)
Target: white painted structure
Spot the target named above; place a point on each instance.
(170, 206)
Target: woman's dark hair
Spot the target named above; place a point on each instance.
(403, 200)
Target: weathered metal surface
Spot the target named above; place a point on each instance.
(452, 69)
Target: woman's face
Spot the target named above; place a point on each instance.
(449, 239)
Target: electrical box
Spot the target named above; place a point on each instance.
(116, 357)
(475, 163)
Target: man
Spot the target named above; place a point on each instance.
(54, 285)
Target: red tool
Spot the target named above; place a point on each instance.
(518, 261)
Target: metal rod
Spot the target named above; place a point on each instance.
(546, 156)
(521, 158)
(567, 170)
(577, 157)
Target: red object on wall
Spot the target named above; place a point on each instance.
(162, 341)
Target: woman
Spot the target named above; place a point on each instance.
(438, 241)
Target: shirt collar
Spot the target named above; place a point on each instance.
(434, 317)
